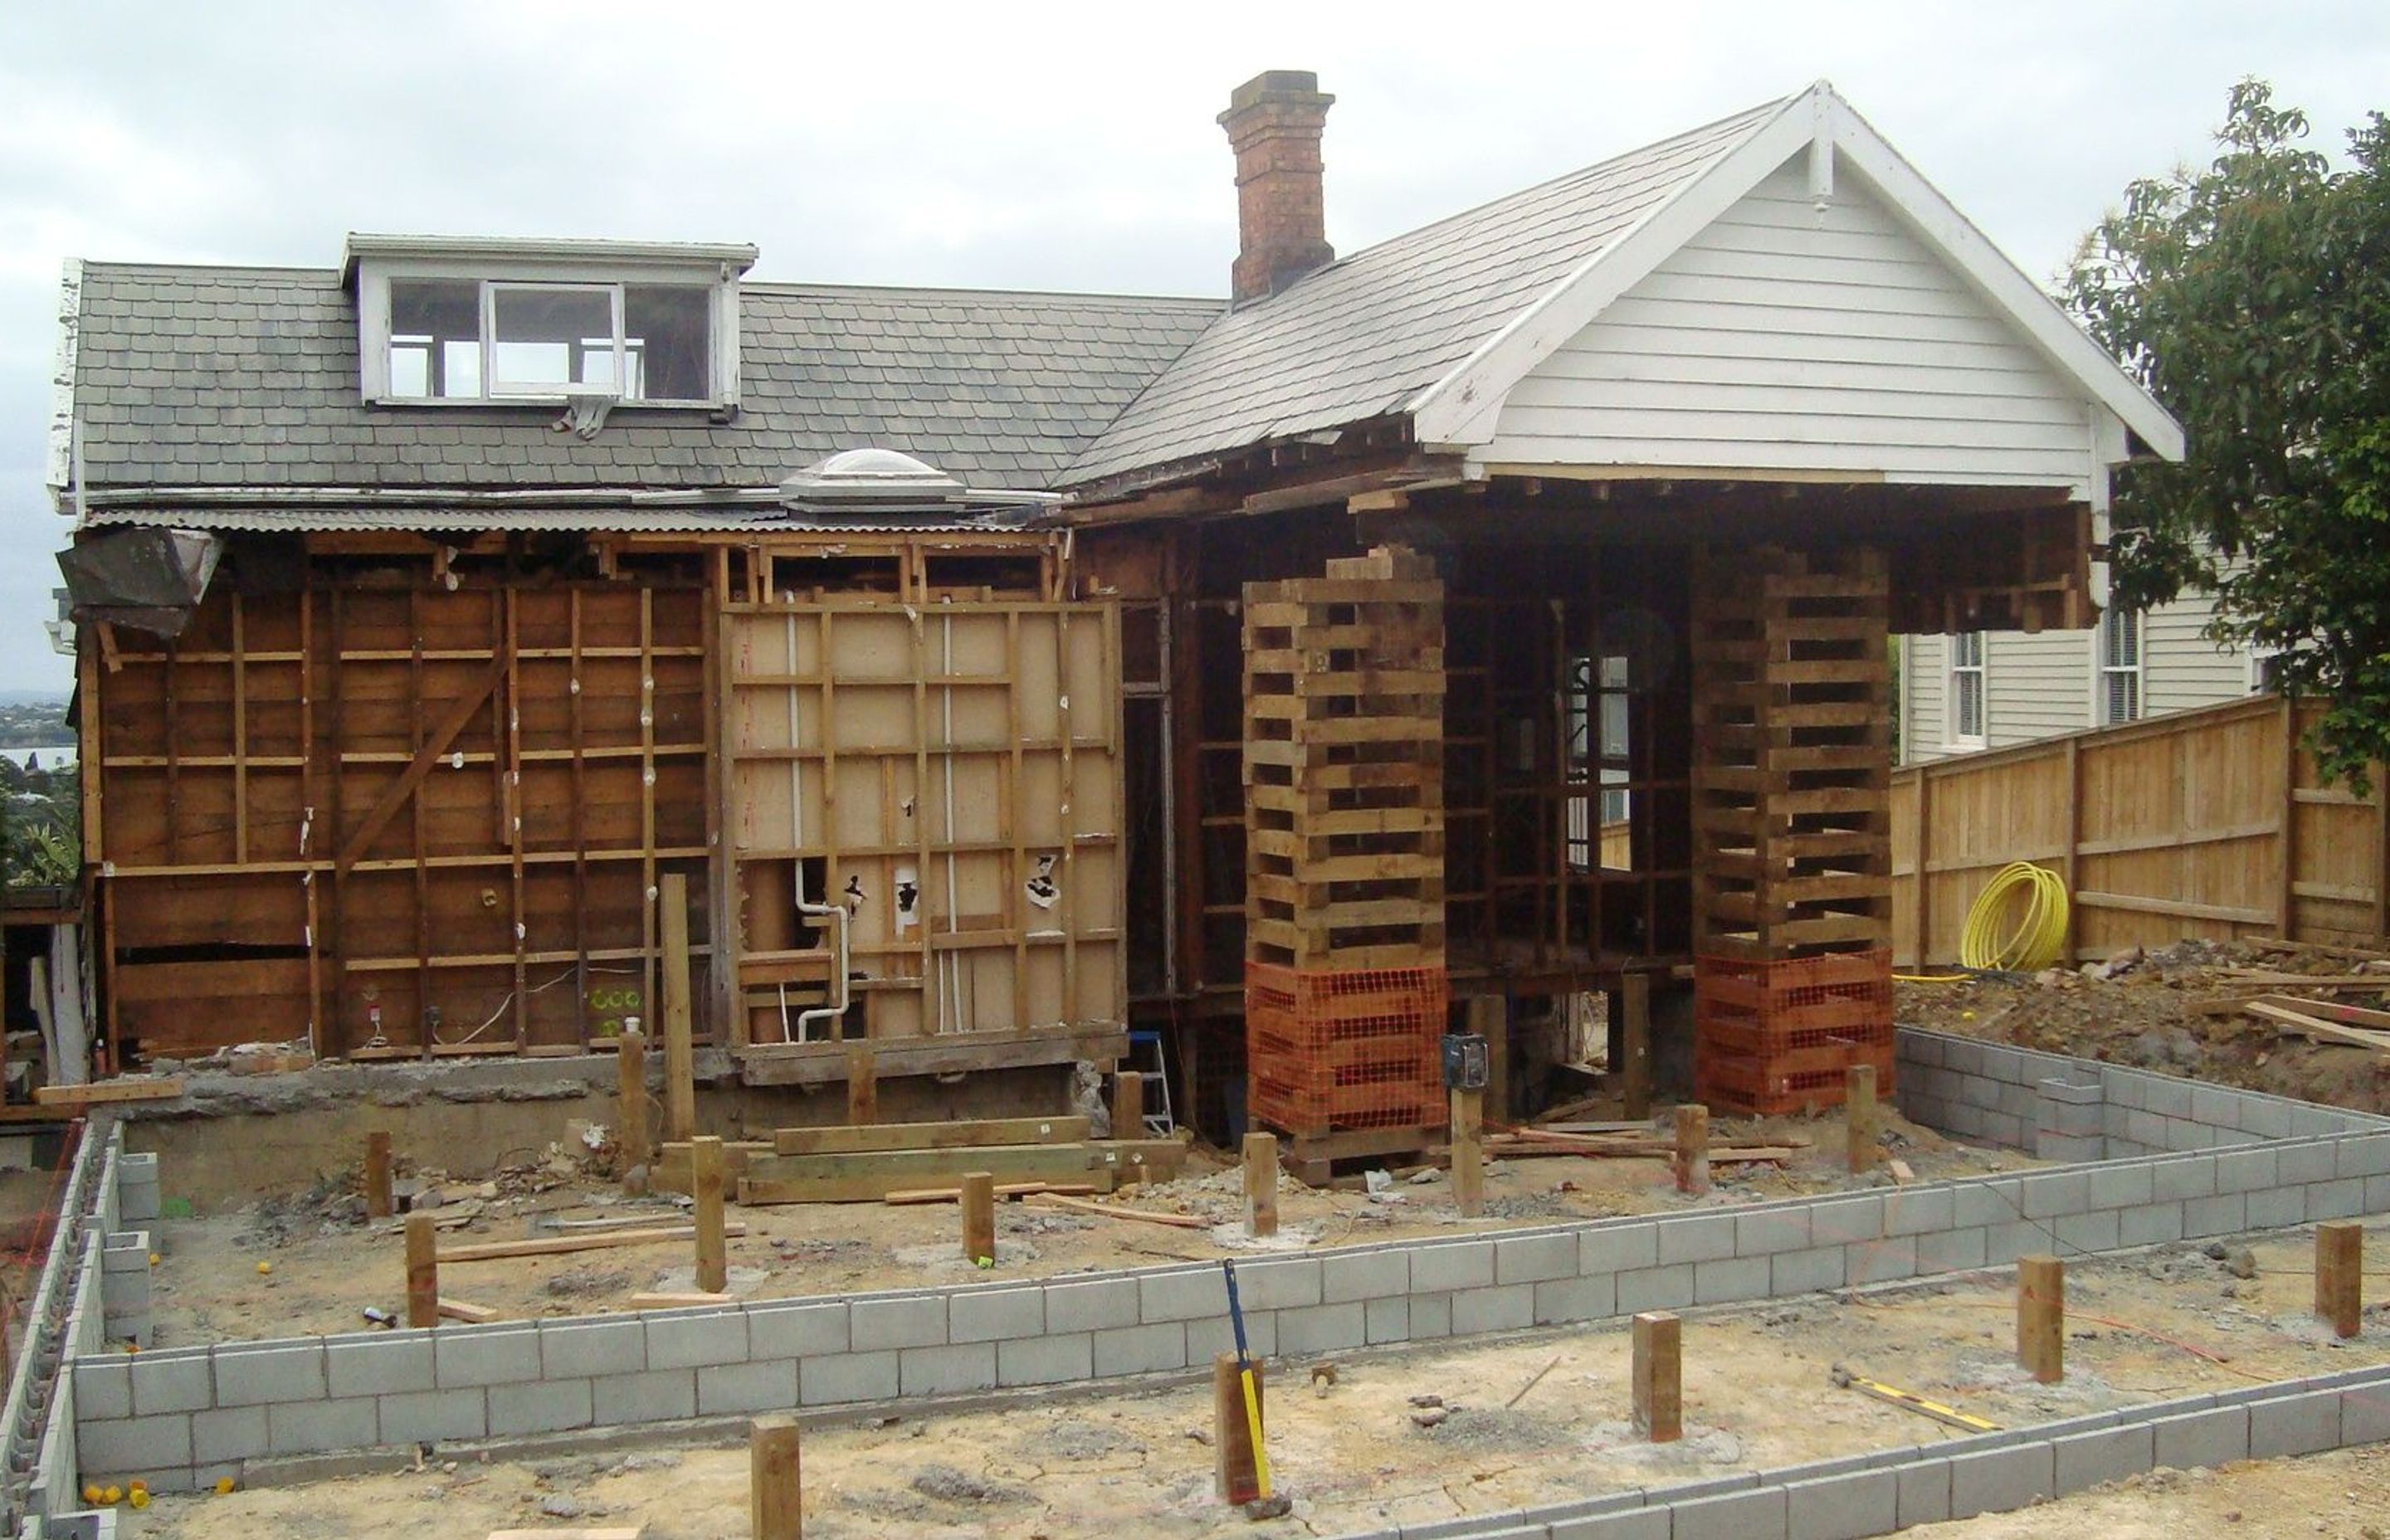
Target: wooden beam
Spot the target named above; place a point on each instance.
(631, 1107)
(930, 1136)
(1260, 1184)
(953, 1053)
(1128, 1105)
(2041, 1317)
(862, 1085)
(377, 1194)
(776, 1486)
(705, 1180)
(1658, 1376)
(2340, 1275)
(1693, 1150)
(680, 1049)
(435, 743)
(978, 1218)
(131, 1088)
(557, 1245)
(422, 1270)
(1469, 1152)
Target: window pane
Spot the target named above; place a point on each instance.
(431, 322)
(668, 332)
(548, 339)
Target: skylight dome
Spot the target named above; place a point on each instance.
(868, 475)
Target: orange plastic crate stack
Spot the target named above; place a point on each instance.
(1778, 1037)
(1333, 1052)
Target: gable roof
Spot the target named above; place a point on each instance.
(1439, 323)
(220, 376)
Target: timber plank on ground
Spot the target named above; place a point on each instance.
(930, 1135)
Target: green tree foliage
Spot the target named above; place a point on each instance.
(2253, 298)
(41, 841)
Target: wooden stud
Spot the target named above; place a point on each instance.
(2340, 1275)
(705, 1185)
(1260, 1184)
(1469, 1152)
(631, 1102)
(1235, 1474)
(2041, 1317)
(1659, 1363)
(377, 1194)
(978, 1218)
(775, 1483)
(1634, 1032)
(1692, 1162)
(862, 1087)
(680, 1050)
(1859, 1116)
(422, 1270)
(1128, 1105)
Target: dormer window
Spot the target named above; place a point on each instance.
(516, 322)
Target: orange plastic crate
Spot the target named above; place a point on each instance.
(1330, 1051)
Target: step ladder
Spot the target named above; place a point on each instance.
(1145, 1057)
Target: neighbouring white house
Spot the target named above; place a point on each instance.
(1988, 689)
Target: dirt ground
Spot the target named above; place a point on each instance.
(2173, 1011)
(323, 1265)
(2342, 1494)
(1758, 1393)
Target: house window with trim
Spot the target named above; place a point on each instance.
(1965, 696)
(2119, 677)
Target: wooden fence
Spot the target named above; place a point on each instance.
(2210, 823)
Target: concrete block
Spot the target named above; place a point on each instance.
(1088, 1305)
(907, 1320)
(2365, 1413)
(1919, 1211)
(1431, 1317)
(2195, 1439)
(2265, 1116)
(838, 1378)
(1648, 1524)
(181, 1381)
(1963, 1055)
(1184, 1296)
(2248, 1170)
(1696, 1237)
(1207, 1340)
(657, 1395)
(2123, 1185)
(2377, 1194)
(1376, 1272)
(1996, 1480)
(1049, 1360)
(1655, 1289)
(103, 1387)
(993, 1314)
(1844, 1508)
(432, 1417)
(1731, 1278)
(582, 1348)
(2046, 1195)
(1772, 1230)
(2224, 1214)
(802, 1328)
(2150, 1223)
(316, 1428)
(1575, 1300)
(1755, 1515)
(387, 1364)
(2339, 1200)
(501, 1354)
(1134, 1350)
(229, 1433)
(1880, 1261)
(1275, 1283)
(109, 1450)
(2142, 1128)
(947, 1370)
(1796, 1272)
(1949, 1250)
(2304, 1424)
(2364, 1155)
(1841, 1221)
(544, 1406)
(767, 1385)
(2215, 1106)
(2166, 1096)
(1533, 1258)
(2094, 1231)
(2109, 1454)
(1451, 1265)
(1331, 1328)
(1504, 1308)
(2298, 1164)
(1617, 1248)
(2276, 1207)
(1984, 1200)
(1389, 1320)
(253, 1374)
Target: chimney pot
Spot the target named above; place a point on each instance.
(1275, 122)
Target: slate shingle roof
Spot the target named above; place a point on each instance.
(236, 377)
(1361, 337)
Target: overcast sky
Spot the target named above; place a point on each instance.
(1007, 145)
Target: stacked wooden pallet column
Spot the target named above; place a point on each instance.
(1345, 987)
(1792, 833)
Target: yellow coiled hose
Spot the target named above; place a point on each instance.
(2038, 934)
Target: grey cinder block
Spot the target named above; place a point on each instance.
(1919, 1211)
(1998, 1479)
(118, 1447)
(311, 1428)
(767, 1385)
(2227, 1214)
(1378, 1273)
(2248, 1170)
(656, 1395)
(800, 1329)
(1617, 1248)
(2149, 1223)
(1183, 1296)
(2365, 1413)
(544, 1406)
(1772, 1230)
(911, 1320)
(1846, 1507)
(1432, 1316)
(1731, 1278)
(433, 1417)
(1951, 1250)
(1206, 1339)
(1130, 1350)
(2095, 1231)
(573, 1348)
(947, 1370)
(2295, 1425)
(2196, 1439)
(1533, 1258)
(230, 1434)
(1755, 1515)
(1326, 1328)
(1696, 1237)
(1081, 1304)
(1389, 1320)
(388, 1363)
(1449, 1265)
(842, 1377)
(1049, 1360)
(2277, 1207)
(1880, 1261)
(501, 1354)
(1575, 1300)
(181, 1381)
(1504, 1308)
(1846, 1220)
(1277, 1283)
(2047, 1194)
(1655, 1289)
(247, 1374)
(103, 1387)
(1651, 1523)
(2111, 1454)
(989, 1315)
(1800, 1272)
(2344, 1198)
(2298, 1164)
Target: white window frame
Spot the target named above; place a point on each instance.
(376, 273)
(1951, 670)
(2101, 669)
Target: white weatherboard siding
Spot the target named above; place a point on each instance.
(2182, 669)
(1923, 661)
(1783, 337)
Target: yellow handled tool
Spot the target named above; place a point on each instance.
(1910, 1401)
(1245, 1373)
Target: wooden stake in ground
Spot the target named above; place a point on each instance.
(978, 1218)
(1634, 1037)
(377, 1194)
(1469, 1152)
(862, 1087)
(1260, 1184)
(2340, 1275)
(680, 1049)
(705, 1185)
(1128, 1105)
(2041, 1317)
(1859, 1116)
(1659, 1377)
(631, 1102)
(1693, 1154)
(422, 1270)
(775, 1483)
(1239, 1479)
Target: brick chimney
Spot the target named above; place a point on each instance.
(1274, 123)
